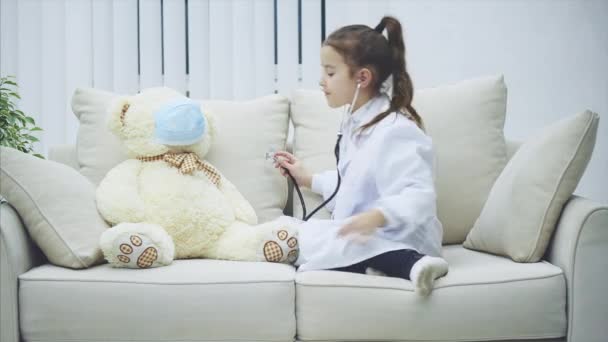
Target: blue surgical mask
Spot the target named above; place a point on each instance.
(180, 122)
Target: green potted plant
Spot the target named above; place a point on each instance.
(16, 128)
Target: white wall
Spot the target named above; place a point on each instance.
(553, 53)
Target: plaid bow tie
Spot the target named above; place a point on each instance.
(186, 163)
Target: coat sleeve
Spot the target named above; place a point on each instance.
(404, 178)
(324, 184)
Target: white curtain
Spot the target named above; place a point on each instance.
(217, 49)
(220, 49)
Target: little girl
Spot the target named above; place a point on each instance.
(384, 214)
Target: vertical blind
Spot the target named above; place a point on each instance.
(211, 49)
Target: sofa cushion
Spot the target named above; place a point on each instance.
(483, 297)
(190, 300)
(525, 202)
(57, 205)
(246, 130)
(466, 123)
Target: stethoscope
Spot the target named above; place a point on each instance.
(345, 115)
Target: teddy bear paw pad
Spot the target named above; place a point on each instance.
(281, 247)
(136, 251)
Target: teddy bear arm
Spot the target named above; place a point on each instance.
(117, 195)
(242, 208)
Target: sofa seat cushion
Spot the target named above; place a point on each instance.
(190, 300)
(483, 297)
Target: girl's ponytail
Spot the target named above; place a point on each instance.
(403, 89)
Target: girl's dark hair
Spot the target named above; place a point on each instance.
(361, 46)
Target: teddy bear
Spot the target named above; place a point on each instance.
(167, 202)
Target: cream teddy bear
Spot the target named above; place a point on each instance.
(168, 202)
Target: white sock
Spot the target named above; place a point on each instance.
(374, 272)
(425, 271)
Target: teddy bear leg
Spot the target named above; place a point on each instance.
(274, 241)
(137, 245)
(238, 242)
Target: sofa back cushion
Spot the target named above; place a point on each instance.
(245, 131)
(465, 121)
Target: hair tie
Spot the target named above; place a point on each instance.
(381, 26)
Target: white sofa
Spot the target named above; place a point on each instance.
(484, 297)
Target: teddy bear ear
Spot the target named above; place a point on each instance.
(117, 113)
(211, 123)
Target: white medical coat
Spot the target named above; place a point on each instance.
(387, 167)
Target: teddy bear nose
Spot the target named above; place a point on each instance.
(179, 123)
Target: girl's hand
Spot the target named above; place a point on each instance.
(286, 160)
(363, 225)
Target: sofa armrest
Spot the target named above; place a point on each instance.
(65, 154)
(18, 254)
(580, 249)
